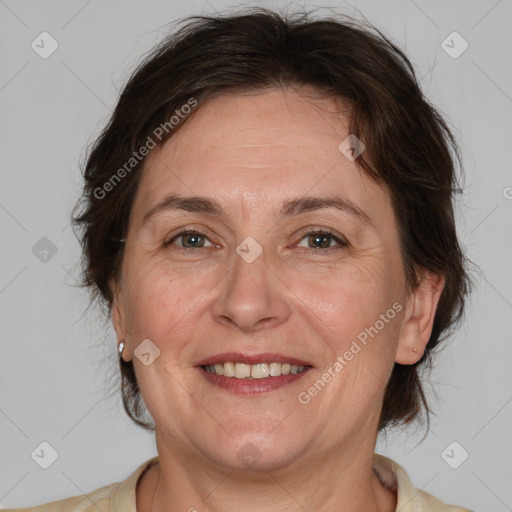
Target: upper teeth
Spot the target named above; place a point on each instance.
(255, 371)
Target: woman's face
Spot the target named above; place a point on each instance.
(254, 286)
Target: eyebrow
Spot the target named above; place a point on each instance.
(296, 206)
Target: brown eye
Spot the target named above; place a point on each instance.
(322, 240)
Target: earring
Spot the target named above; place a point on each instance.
(414, 349)
(120, 348)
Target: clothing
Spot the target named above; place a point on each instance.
(120, 497)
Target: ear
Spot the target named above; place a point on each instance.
(118, 317)
(419, 316)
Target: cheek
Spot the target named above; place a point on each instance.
(158, 304)
(354, 310)
(354, 293)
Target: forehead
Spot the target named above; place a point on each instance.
(257, 149)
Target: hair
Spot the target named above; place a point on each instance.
(409, 150)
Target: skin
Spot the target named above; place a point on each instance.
(250, 153)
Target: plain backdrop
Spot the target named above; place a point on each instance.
(57, 363)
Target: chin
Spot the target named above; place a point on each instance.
(262, 451)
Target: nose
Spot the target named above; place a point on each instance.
(252, 297)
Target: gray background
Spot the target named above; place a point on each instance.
(58, 366)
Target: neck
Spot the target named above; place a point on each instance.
(342, 481)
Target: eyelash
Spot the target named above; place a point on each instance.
(342, 243)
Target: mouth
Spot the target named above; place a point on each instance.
(252, 374)
(253, 371)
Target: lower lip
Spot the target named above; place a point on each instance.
(251, 386)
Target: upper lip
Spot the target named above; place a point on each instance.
(238, 357)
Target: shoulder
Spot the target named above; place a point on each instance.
(98, 499)
(431, 503)
(115, 497)
(409, 498)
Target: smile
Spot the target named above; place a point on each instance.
(253, 371)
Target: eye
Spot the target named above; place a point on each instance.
(190, 239)
(315, 239)
(321, 239)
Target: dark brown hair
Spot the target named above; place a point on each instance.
(409, 149)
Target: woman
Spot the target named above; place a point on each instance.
(268, 217)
